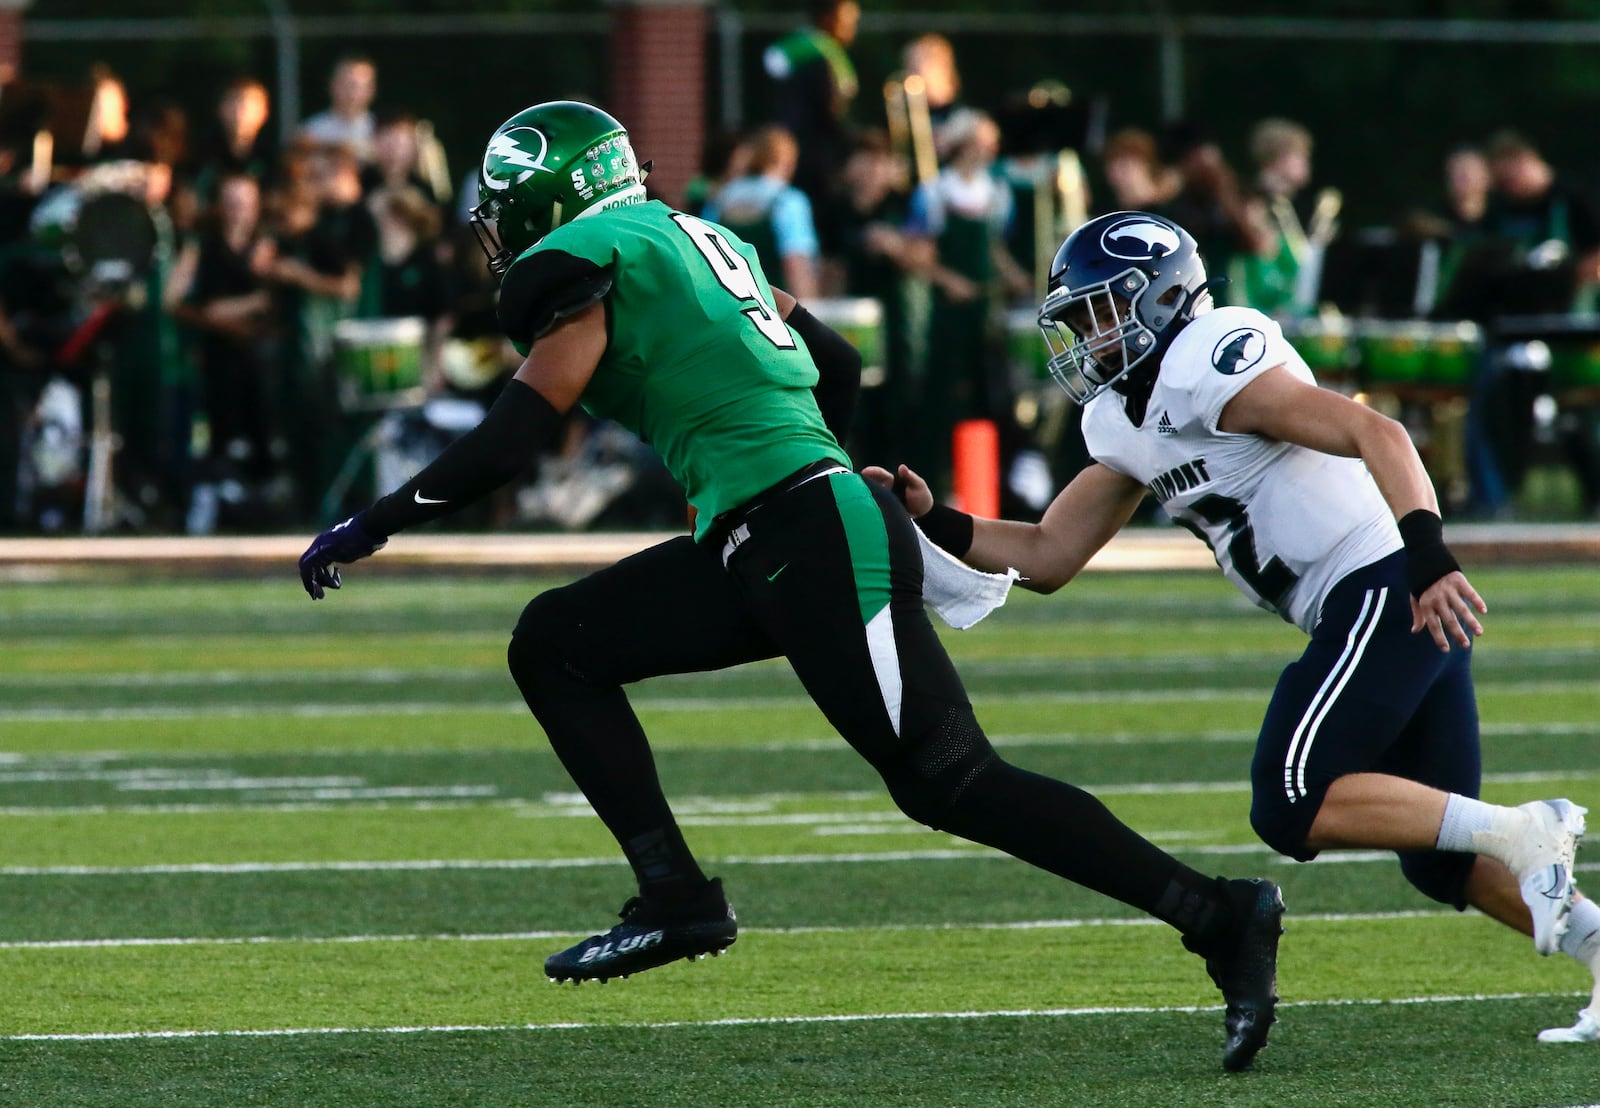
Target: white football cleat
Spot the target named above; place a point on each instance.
(1542, 862)
(1586, 1030)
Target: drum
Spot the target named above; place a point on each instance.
(1574, 364)
(860, 320)
(378, 362)
(1568, 346)
(1026, 354)
(1326, 346)
(1394, 353)
(105, 238)
(1442, 355)
(1455, 349)
(472, 364)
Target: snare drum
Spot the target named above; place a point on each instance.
(1026, 354)
(1394, 353)
(1574, 365)
(1454, 350)
(860, 320)
(378, 362)
(1325, 345)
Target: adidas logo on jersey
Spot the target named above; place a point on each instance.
(1165, 426)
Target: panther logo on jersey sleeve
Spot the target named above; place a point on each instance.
(1238, 351)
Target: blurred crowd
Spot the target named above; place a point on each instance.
(947, 213)
(204, 330)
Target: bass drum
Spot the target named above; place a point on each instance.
(106, 239)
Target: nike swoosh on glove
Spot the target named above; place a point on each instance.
(345, 543)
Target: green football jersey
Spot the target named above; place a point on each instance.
(699, 364)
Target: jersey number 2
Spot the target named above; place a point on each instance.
(1272, 581)
(733, 273)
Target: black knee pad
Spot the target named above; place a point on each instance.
(539, 637)
(928, 778)
(1439, 875)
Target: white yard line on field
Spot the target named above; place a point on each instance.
(764, 1021)
(520, 936)
(65, 714)
(1352, 857)
(320, 795)
(1067, 668)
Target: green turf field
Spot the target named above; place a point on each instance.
(262, 852)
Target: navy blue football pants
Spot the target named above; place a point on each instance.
(1368, 696)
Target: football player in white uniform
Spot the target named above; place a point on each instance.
(1317, 508)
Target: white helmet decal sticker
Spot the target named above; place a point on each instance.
(1139, 239)
(514, 149)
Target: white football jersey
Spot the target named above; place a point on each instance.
(1285, 523)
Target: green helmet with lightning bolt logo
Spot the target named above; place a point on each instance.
(546, 166)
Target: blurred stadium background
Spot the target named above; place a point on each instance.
(260, 852)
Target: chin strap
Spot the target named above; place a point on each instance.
(1135, 386)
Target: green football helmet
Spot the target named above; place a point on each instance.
(546, 166)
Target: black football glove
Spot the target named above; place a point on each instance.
(344, 542)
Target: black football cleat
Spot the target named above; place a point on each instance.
(1246, 970)
(652, 933)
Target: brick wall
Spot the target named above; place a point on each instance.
(659, 86)
(10, 43)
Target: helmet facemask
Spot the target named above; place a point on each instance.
(1095, 333)
(1122, 286)
(490, 218)
(484, 219)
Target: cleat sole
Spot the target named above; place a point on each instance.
(579, 979)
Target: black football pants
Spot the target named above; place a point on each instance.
(830, 576)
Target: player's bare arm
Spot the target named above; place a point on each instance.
(1083, 517)
(1281, 406)
(560, 363)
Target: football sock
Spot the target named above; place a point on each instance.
(1473, 827)
(599, 740)
(663, 865)
(1200, 908)
(1069, 832)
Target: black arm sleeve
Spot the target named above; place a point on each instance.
(838, 369)
(480, 461)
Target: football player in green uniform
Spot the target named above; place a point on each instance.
(666, 324)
